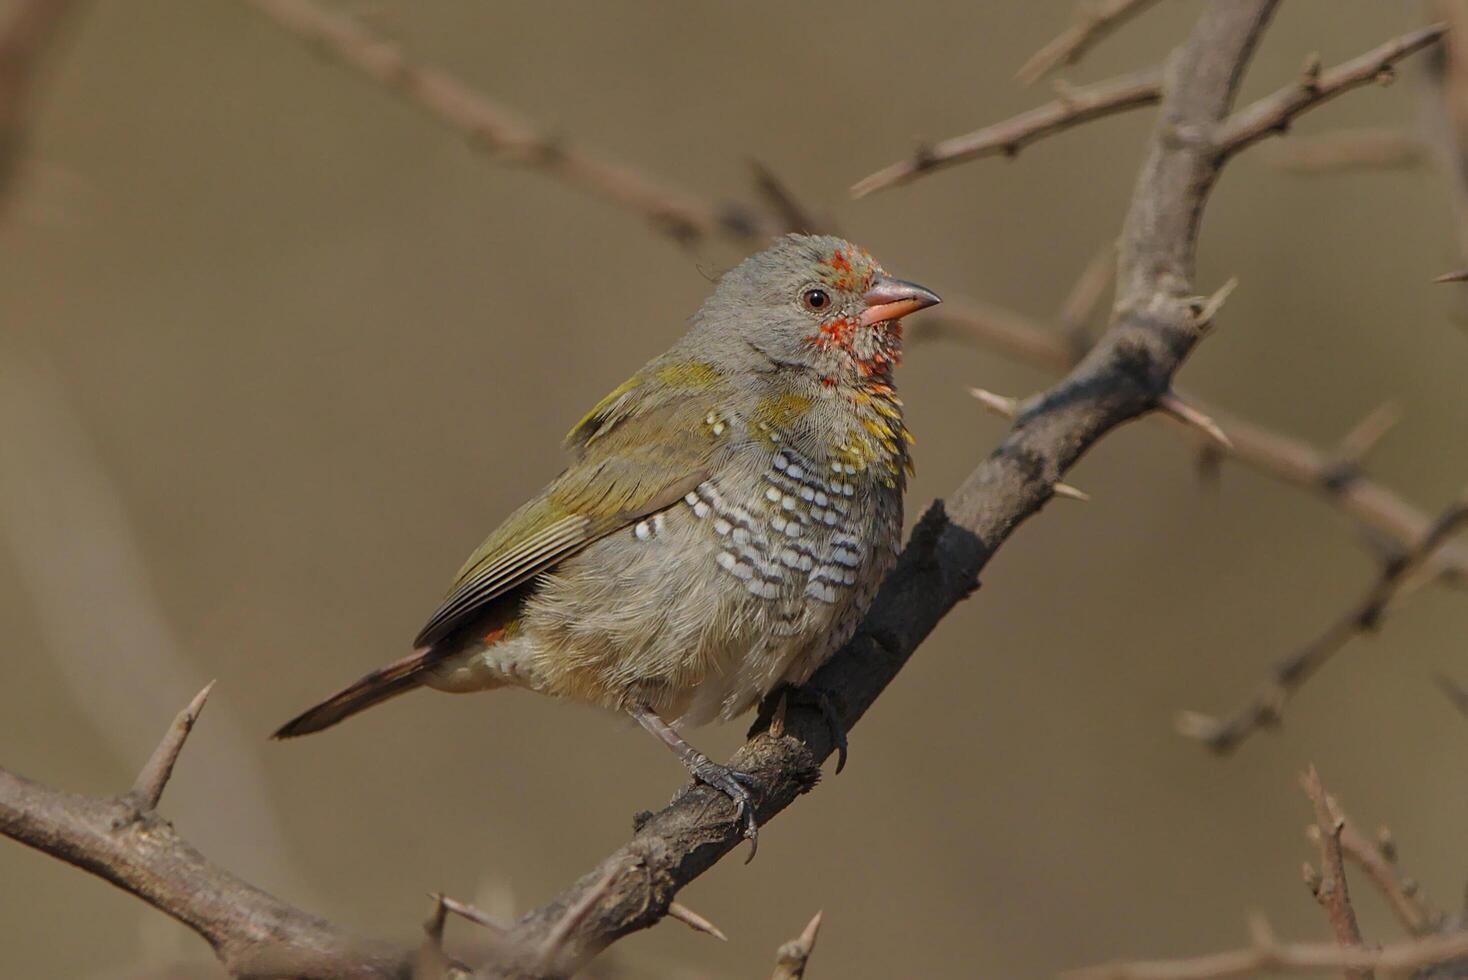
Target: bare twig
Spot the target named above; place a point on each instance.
(148, 789)
(1267, 705)
(792, 957)
(1075, 106)
(1268, 954)
(502, 135)
(1378, 859)
(1361, 440)
(1329, 886)
(1274, 113)
(1093, 21)
(1350, 150)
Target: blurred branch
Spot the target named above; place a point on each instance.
(124, 840)
(26, 34)
(1349, 150)
(1073, 107)
(1267, 954)
(1093, 20)
(501, 135)
(792, 215)
(1329, 885)
(1267, 705)
(1434, 951)
(1378, 858)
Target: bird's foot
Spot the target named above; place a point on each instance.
(735, 785)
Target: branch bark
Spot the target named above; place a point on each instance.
(123, 839)
(1073, 107)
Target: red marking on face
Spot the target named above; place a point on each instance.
(828, 381)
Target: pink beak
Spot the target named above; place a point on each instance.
(893, 299)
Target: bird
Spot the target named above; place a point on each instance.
(723, 524)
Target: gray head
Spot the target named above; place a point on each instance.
(815, 302)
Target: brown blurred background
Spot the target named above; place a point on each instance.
(276, 351)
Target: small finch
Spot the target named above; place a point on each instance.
(727, 516)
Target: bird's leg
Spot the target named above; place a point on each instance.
(816, 698)
(731, 782)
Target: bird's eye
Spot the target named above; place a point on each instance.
(815, 300)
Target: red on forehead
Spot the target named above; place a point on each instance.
(850, 269)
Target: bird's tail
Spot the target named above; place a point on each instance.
(387, 682)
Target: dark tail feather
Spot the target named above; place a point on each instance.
(390, 681)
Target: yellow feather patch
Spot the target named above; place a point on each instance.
(689, 374)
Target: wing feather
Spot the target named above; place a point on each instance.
(643, 458)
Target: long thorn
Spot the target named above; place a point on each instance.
(1070, 492)
(1000, 405)
(694, 921)
(1180, 410)
(148, 787)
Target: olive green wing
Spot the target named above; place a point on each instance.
(639, 461)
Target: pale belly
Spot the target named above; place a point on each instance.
(701, 610)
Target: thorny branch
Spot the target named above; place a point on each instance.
(1268, 954)
(1156, 321)
(1272, 114)
(1267, 705)
(1433, 951)
(1073, 107)
(1336, 475)
(123, 840)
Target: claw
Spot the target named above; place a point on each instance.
(821, 701)
(735, 785)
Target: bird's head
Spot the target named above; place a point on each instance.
(815, 302)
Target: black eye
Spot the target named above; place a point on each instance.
(815, 300)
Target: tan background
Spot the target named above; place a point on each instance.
(277, 350)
